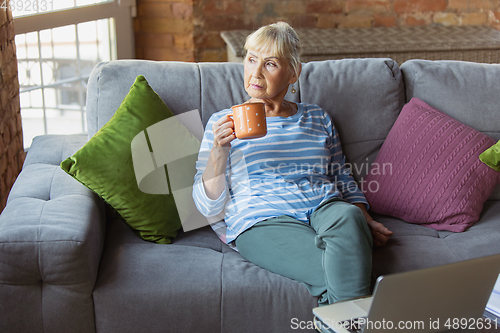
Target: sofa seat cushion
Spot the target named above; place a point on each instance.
(195, 284)
(415, 246)
(164, 288)
(120, 233)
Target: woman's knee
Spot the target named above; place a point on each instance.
(338, 214)
(353, 211)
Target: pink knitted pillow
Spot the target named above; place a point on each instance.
(428, 170)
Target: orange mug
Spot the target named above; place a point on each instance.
(249, 120)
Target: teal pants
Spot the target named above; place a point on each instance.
(332, 255)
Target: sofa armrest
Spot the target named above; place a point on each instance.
(51, 239)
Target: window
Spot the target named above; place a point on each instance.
(58, 43)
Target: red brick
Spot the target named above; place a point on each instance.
(290, 7)
(212, 8)
(209, 40)
(305, 21)
(182, 10)
(212, 56)
(151, 39)
(327, 21)
(483, 4)
(234, 8)
(216, 8)
(150, 1)
(356, 21)
(11, 145)
(184, 41)
(15, 102)
(385, 21)
(265, 20)
(10, 176)
(139, 54)
(474, 19)
(458, 4)
(22, 156)
(13, 88)
(13, 129)
(411, 6)
(446, 19)
(173, 25)
(3, 36)
(368, 6)
(9, 16)
(496, 16)
(3, 195)
(12, 150)
(3, 15)
(11, 32)
(154, 9)
(9, 72)
(221, 23)
(6, 136)
(418, 19)
(256, 8)
(137, 25)
(3, 165)
(323, 7)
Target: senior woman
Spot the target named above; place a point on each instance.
(289, 202)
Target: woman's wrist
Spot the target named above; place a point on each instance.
(214, 175)
(362, 206)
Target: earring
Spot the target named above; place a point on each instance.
(293, 91)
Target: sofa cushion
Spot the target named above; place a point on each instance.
(350, 90)
(195, 284)
(460, 89)
(415, 246)
(362, 96)
(51, 239)
(428, 170)
(110, 82)
(106, 165)
(491, 157)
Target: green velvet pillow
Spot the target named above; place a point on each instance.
(491, 156)
(106, 166)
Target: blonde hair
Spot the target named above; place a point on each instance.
(277, 38)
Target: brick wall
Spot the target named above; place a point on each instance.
(164, 30)
(189, 30)
(11, 135)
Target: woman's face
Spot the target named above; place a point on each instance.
(267, 76)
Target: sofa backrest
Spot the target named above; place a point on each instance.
(363, 96)
(466, 91)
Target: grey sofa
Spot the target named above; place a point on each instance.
(68, 266)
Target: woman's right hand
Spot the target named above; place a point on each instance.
(223, 130)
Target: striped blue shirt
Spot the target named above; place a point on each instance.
(292, 170)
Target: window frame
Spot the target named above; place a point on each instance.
(122, 12)
(119, 13)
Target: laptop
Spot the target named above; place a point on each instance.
(436, 299)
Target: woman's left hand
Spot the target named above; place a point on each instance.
(380, 233)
